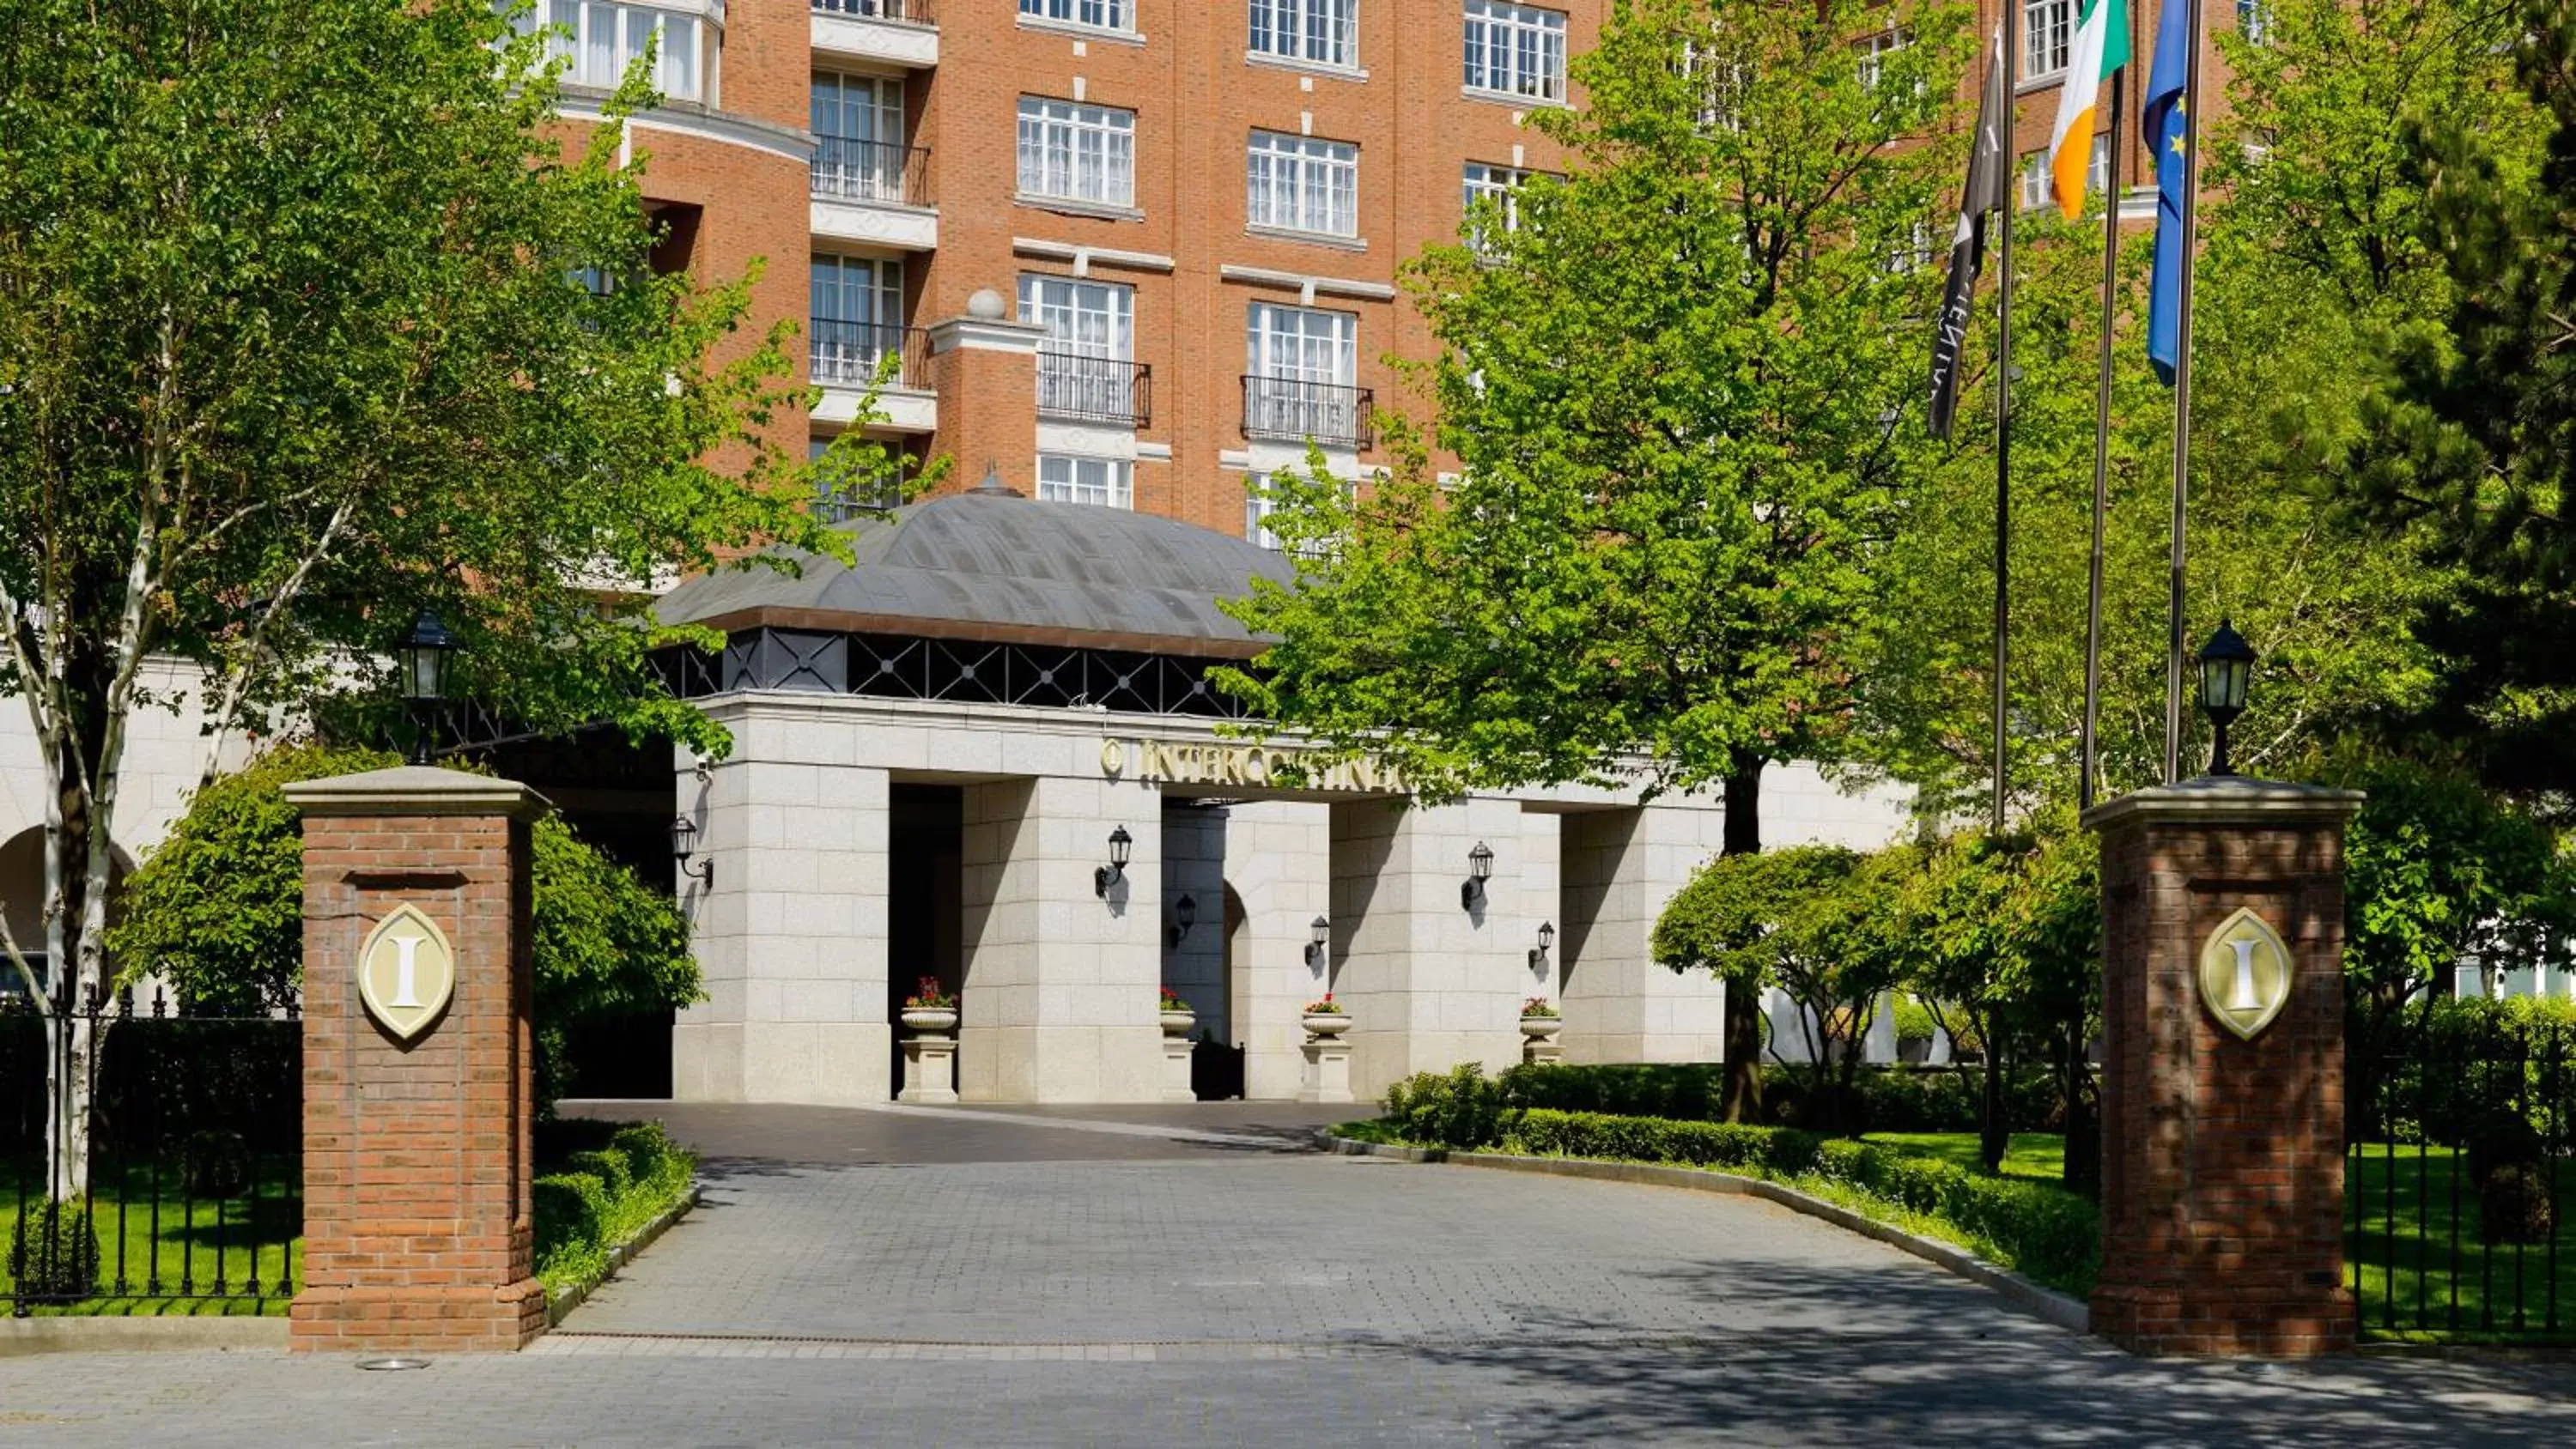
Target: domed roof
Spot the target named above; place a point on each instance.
(991, 565)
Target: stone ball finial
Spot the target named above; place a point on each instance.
(985, 305)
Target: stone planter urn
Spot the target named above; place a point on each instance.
(1538, 1039)
(931, 1020)
(1326, 1025)
(1178, 1023)
(1541, 1028)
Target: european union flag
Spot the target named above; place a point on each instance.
(2163, 120)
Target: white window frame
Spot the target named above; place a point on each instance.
(2253, 18)
(864, 115)
(1302, 344)
(1302, 184)
(1111, 15)
(855, 308)
(2034, 180)
(1101, 482)
(1086, 365)
(1306, 32)
(1483, 180)
(2047, 39)
(1876, 47)
(1515, 50)
(599, 39)
(1076, 151)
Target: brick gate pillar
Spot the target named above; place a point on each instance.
(2222, 1082)
(419, 1088)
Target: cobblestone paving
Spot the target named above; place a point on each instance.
(1086, 1287)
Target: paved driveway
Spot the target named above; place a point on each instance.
(1191, 1277)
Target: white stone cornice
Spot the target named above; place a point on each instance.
(1308, 288)
(976, 334)
(1084, 258)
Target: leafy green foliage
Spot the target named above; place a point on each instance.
(53, 1250)
(2438, 868)
(1671, 389)
(606, 944)
(606, 1196)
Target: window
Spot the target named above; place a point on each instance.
(1515, 50)
(2034, 181)
(1875, 49)
(2252, 18)
(1257, 508)
(2047, 32)
(1077, 152)
(1498, 185)
(842, 493)
(599, 40)
(1324, 32)
(1301, 368)
(1722, 86)
(2038, 186)
(1098, 14)
(2097, 171)
(1109, 482)
(1086, 365)
(859, 151)
(1298, 183)
(857, 317)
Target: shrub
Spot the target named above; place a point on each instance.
(53, 1253)
(571, 1212)
(1460, 1108)
(616, 1173)
(615, 1179)
(1885, 1099)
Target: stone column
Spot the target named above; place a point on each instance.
(1279, 860)
(986, 367)
(1062, 985)
(1429, 980)
(792, 931)
(418, 1235)
(1620, 869)
(2222, 1098)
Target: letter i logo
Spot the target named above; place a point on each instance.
(406, 972)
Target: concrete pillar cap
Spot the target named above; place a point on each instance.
(415, 790)
(2226, 800)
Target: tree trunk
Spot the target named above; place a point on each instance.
(1994, 1134)
(1743, 1097)
(73, 960)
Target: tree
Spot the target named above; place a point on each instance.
(217, 910)
(1674, 387)
(2475, 442)
(307, 326)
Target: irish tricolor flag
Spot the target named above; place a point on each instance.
(2101, 47)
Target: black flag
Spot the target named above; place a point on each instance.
(1989, 190)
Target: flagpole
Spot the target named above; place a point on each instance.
(2011, 127)
(2174, 648)
(2101, 457)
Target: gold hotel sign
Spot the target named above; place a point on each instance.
(2244, 974)
(1253, 766)
(406, 973)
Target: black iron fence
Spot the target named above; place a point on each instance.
(149, 1156)
(2461, 1114)
(1101, 389)
(848, 354)
(911, 12)
(851, 170)
(1295, 410)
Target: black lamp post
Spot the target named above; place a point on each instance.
(2226, 673)
(1546, 942)
(1120, 845)
(1480, 868)
(684, 843)
(423, 657)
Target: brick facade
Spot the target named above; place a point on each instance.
(418, 1228)
(2222, 1160)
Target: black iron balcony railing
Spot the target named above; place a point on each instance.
(847, 170)
(910, 12)
(847, 354)
(1296, 410)
(1097, 389)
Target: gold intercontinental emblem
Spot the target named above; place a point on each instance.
(2244, 974)
(406, 973)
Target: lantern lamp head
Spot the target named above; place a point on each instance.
(2226, 678)
(423, 658)
(1121, 848)
(684, 844)
(1319, 938)
(1480, 868)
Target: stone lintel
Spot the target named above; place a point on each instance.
(415, 790)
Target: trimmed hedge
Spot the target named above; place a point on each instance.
(604, 1197)
(1886, 1099)
(2047, 1232)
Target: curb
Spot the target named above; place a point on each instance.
(558, 1309)
(2045, 1304)
(25, 1337)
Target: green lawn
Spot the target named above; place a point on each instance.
(2434, 1276)
(2040, 1155)
(239, 1249)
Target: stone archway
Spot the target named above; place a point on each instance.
(22, 896)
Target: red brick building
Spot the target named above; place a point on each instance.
(1193, 214)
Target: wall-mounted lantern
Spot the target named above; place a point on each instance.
(1120, 844)
(1480, 869)
(684, 844)
(1538, 955)
(1185, 914)
(1320, 939)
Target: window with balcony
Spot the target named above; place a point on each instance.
(859, 150)
(1516, 50)
(1107, 482)
(598, 40)
(1094, 14)
(858, 320)
(1300, 183)
(842, 494)
(1301, 377)
(1073, 152)
(2047, 37)
(1316, 32)
(1087, 364)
